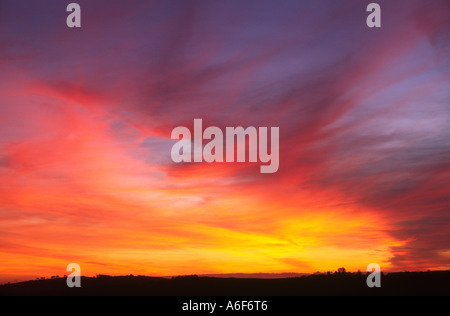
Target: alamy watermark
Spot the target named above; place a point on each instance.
(374, 278)
(233, 142)
(74, 279)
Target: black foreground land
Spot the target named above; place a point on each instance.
(402, 283)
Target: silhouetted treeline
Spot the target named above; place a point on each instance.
(343, 283)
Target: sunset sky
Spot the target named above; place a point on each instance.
(86, 117)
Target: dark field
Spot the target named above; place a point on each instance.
(403, 283)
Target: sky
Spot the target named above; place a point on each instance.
(86, 116)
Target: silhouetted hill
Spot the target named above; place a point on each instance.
(256, 275)
(403, 283)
